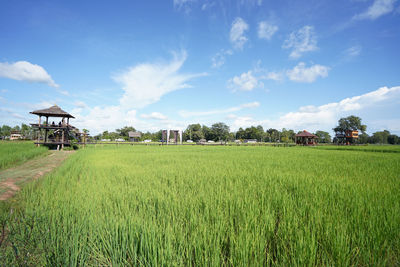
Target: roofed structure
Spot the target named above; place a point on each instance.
(56, 133)
(306, 138)
(53, 111)
(134, 136)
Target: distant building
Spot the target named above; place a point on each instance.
(250, 141)
(105, 140)
(147, 141)
(119, 140)
(15, 135)
(134, 136)
(189, 141)
(306, 139)
(210, 141)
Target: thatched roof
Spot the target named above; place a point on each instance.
(54, 111)
(306, 134)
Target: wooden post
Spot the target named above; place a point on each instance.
(47, 123)
(38, 137)
(62, 140)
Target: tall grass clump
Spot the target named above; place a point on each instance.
(17, 152)
(236, 206)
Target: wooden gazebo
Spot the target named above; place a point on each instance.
(306, 138)
(51, 132)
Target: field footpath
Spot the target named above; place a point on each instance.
(13, 178)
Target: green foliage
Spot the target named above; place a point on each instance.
(323, 137)
(124, 132)
(213, 206)
(220, 131)
(5, 131)
(193, 132)
(287, 136)
(380, 137)
(393, 139)
(251, 133)
(350, 123)
(14, 153)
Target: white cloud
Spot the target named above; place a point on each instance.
(186, 114)
(251, 3)
(377, 9)
(325, 117)
(63, 92)
(219, 59)
(143, 84)
(26, 71)
(146, 83)
(273, 75)
(353, 51)
(304, 40)
(266, 30)
(80, 104)
(237, 37)
(11, 113)
(207, 5)
(179, 4)
(252, 79)
(301, 73)
(250, 105)
(99, 119)
(245, 82)
(154, 116)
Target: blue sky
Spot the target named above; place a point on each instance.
(164, 64)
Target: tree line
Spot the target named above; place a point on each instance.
(221, 132)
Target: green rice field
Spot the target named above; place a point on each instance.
(16, 152)
(199, 205)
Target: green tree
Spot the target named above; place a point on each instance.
(105, 135)
(220, 131)
(393, 139)
(5, 131)
(380, 137)
(323, 137)
(287, 136)
(124, 132)
(208, 134)
(240, 134)
(26, 131)
(352, 123)
(193, 132)
(157, 136)
(363, 138)
(273, 135)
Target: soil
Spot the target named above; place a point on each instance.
(12, 179)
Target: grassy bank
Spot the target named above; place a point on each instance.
(13, 153)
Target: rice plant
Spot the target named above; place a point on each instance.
(14, 153)
(236, 206)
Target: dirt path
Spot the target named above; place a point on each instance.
(11, 179)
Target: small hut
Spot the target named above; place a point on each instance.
(306, 138)
(54, 132)
(134, 136)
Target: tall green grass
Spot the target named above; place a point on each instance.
(16, 152)
(241, 206)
